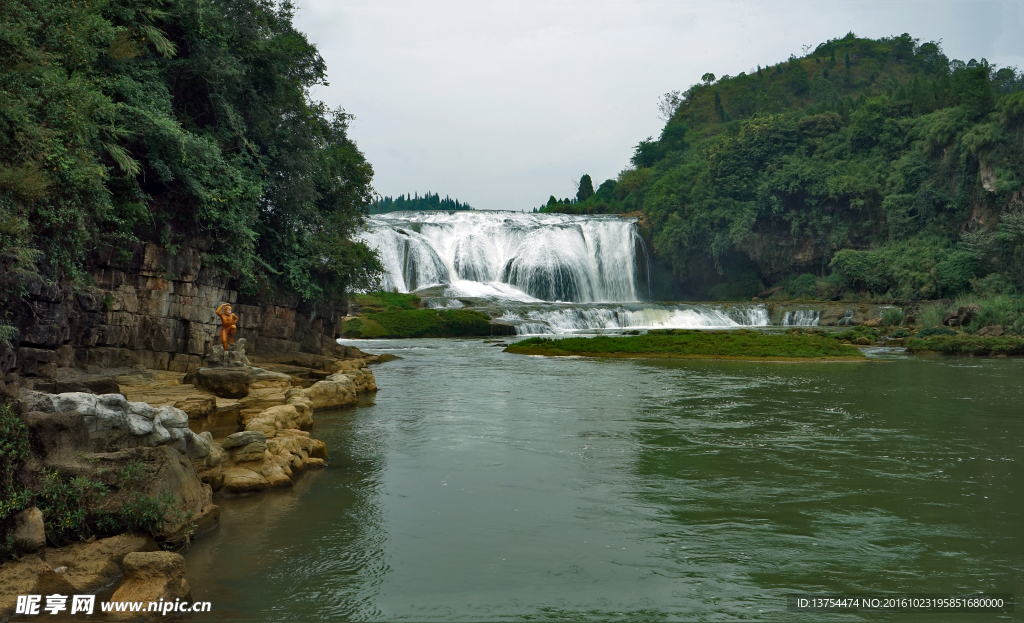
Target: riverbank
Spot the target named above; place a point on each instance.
(120, 461)
(684, 344)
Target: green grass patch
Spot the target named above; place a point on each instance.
(402, 323)
(963, 344)
(740, 344)
(381, 301)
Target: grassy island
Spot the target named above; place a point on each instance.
(395, 315)
(963, 344)
(684, 344)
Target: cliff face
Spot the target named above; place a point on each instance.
(157, 312)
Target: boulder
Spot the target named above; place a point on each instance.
(240, 480)
(992, 330)
(140, 418)
(251, 452)
(244, 438)
(29, 534)
(964, 315)
(340, 391)
(152, 576)
(862, 341)
(225, 382)
(874, 322)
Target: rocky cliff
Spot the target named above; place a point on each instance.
(155, 311)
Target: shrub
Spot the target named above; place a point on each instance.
(892, 317)
(13, 451)
(65, 505)
(999, 309)
(931, 315)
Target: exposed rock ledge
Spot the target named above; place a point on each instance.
(253, 443)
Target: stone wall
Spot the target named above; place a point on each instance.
(157, 312)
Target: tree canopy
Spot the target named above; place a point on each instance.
(896, 172)
(177, 122)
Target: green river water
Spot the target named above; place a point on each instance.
(479, 485)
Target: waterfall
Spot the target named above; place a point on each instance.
(511, 255)
(801, 318)
(620, 317)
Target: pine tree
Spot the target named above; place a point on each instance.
(586, 189)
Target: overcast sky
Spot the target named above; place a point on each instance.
(501, 104)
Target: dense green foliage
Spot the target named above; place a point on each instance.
(967, 345)
(414, 202)
(740, 344)
(179, 122)
(891, 172)
(14, 450)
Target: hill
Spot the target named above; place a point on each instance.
(868, 167)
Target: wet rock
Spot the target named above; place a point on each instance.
(862, 341)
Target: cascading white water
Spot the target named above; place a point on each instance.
(576, 319)
(510, 255)
(801, 318)
(548, 273)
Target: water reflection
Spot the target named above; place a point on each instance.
(484, 486)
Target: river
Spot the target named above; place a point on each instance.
(483, 486)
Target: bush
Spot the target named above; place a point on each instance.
(931, 315)
(13, 451)
(999, 309)
(65, 505)
(892, 318)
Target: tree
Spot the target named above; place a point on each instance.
(586, 188)
(708, 78)
(668, 104)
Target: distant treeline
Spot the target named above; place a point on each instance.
(428, 201)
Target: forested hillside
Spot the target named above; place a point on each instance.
(429, 201)
(176, 122)
(877, 167)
